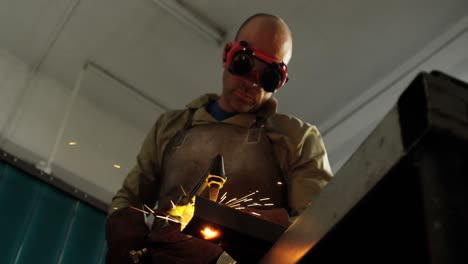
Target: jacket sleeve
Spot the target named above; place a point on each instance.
(308, 170)
(139, 187)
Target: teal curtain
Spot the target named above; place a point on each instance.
(42, 224)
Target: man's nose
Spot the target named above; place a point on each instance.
(250, 83)
(251, 79)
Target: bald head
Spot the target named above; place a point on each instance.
(269, 33)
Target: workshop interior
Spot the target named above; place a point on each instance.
(385, 82)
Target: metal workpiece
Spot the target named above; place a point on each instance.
(243, 235)
(402, 194)
(433, 101)
(362, 171)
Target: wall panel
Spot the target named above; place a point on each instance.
(42, 224)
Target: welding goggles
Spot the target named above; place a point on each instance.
(240, 58)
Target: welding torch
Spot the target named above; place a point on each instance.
(214, 178)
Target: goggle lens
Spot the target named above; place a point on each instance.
(243, 63)
(270, 79)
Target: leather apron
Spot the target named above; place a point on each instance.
(249, 159)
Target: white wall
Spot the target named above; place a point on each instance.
(447, 53)
(104, 136)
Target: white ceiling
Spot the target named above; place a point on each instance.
(342, 49)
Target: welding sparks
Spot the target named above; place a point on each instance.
(147, 207)
(254, 213)
(250, 194)
(237, 203)
(173, 205)
(223, 197)
(134, 208)
(183, 191)
(241, 199)
(168, 218)
(233, 199)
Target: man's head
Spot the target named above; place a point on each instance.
(269, 35)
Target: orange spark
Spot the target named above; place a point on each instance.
(134, 208)
(147, 207)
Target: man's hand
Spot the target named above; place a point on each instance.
(125, 231)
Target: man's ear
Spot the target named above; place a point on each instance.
(226, 50)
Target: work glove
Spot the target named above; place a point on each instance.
(125, 231)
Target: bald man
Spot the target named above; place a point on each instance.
(281, 157)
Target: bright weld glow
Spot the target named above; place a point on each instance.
(117, 166)
(72, 143)
(279, 183)
(254, 213)
(209, 233)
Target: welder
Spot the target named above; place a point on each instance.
(276, 155)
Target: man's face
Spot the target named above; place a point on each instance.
(243, 94)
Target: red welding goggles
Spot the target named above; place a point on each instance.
(240, 58)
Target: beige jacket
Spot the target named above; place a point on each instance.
(298, 145)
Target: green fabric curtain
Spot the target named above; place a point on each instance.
(42, 224)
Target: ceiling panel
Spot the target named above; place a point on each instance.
(28, 27)
(140, 43)
(342, 48)
(343, 51)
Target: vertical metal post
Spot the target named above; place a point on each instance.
(46, 166)
(18, 108)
